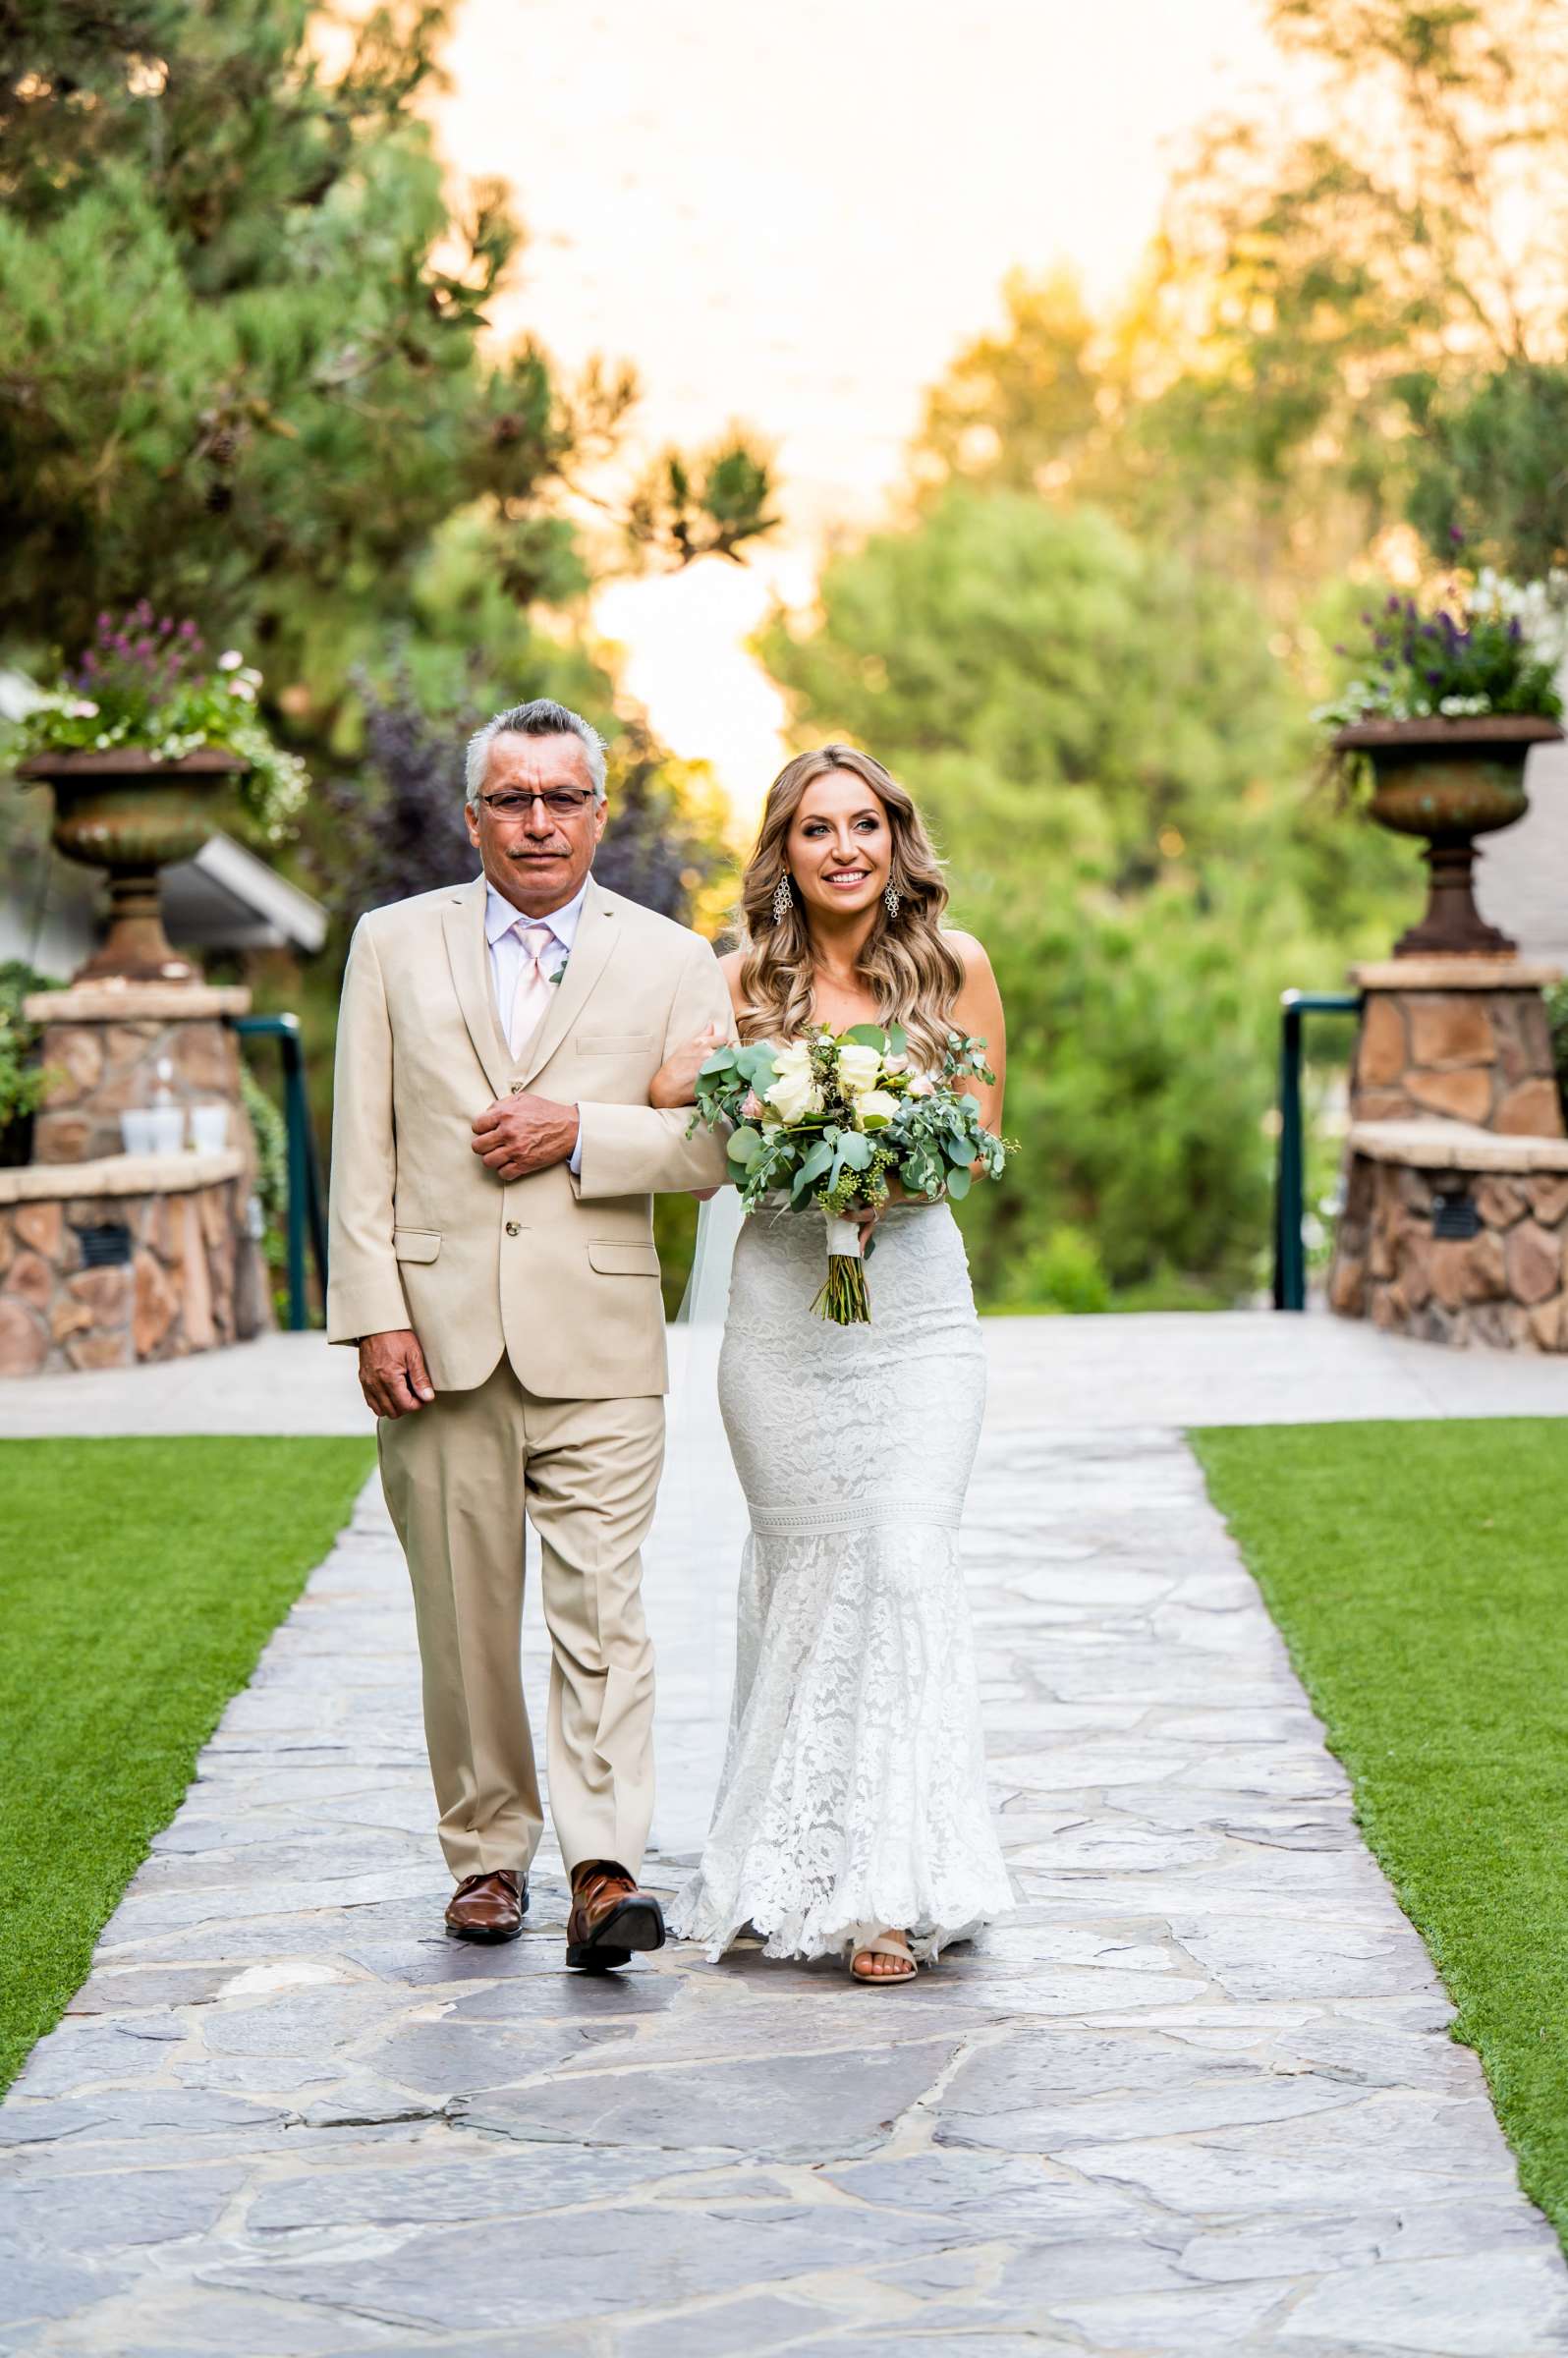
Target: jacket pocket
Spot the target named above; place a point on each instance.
(615, 1256)
(615, 1044)
(415, 1244)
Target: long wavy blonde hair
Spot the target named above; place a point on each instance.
(913, 970)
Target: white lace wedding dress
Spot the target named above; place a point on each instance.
(853, 1797)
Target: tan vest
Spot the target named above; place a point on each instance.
(560, 1273)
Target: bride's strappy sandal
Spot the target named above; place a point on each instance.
(883, 1945)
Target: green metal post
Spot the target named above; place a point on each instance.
(1290, 1170)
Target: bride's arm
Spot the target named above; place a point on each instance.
(978, 1014)
(675, 1082)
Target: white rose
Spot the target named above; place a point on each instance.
(858, 1068)
(876, 1105)
(792, 1092)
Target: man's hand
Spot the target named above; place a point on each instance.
(392, 1372)
(519, 1135)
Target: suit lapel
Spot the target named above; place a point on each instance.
(463, 924)
(591, 950)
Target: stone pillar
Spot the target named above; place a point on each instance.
(1465, 1038)
(103, 1042)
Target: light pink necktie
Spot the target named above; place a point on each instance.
(531, 997)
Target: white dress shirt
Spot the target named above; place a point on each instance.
(504, 927)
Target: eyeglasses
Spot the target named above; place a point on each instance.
(562, 802)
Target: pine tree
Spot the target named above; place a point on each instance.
(240, 341)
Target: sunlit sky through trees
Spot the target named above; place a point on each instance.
(793, 215)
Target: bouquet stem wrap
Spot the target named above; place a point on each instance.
(844, 1298)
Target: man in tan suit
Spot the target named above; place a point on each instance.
(494, 1157)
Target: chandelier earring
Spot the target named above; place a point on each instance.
(783, 898)
(892, 901)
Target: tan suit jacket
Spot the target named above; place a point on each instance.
(559, 1273)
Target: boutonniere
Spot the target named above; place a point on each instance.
(560, 971)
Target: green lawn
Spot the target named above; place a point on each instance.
(139, 1582)
(1419, 1576)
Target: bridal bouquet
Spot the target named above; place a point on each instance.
(832, 1119)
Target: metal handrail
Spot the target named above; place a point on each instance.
(1290, 1252)
(306, 1209)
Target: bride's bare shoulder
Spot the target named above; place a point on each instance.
(970, 951)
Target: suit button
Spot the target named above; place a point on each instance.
(518, 1088)
(514, 1227)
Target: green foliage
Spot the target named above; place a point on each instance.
(1489, 467)
(1557, 1017)
(1347, 309)
(270, 1132)
(703, 508)
(1019, 411)
(1115, 767)
(242, 332)
(138, 1583)
(1065, 1275)
(1051, 679)
(1139, 1074)
(1416, 1574)
(24, 1081)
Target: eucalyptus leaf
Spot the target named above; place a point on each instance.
(816, 1164)
(746, 1146)
(958, 1185)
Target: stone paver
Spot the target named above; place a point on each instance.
(1053, 1374)
(1200, 2097)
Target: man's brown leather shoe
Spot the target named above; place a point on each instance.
(488, 1907)
(610, 1917)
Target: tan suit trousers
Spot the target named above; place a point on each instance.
(460, 1476)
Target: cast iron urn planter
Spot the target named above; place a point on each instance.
(132, 812)
(1449, 781)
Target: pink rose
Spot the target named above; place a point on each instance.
(751, 1108)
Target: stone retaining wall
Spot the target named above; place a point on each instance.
(186, 1277)
(1507, 1284)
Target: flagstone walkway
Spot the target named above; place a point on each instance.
(1198, 2097)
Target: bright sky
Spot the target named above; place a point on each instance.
(792, 215)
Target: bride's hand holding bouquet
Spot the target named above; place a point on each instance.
(836, 1121)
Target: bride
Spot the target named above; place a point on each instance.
(851, 1817)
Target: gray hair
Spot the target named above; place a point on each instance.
(541, 718)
